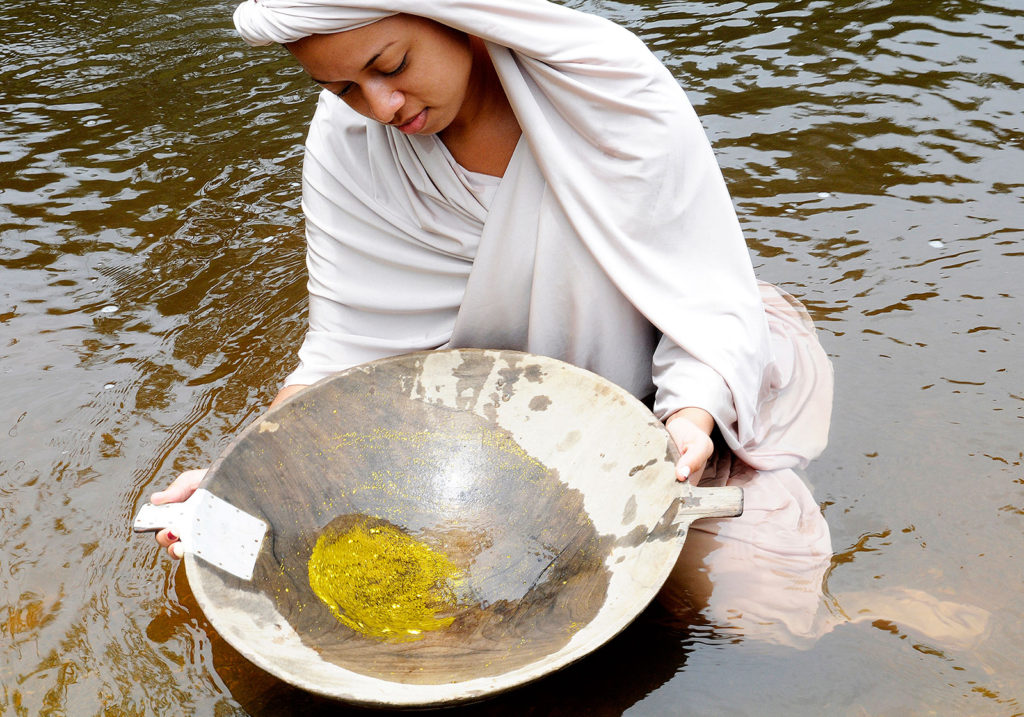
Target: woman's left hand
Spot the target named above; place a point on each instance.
(691, 428)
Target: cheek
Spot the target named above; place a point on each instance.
(355, 100)
(454, 77)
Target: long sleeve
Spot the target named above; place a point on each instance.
(683, 381)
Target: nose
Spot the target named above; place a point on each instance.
(383, 101)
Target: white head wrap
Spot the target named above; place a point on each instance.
(628, 172)
(281, 21)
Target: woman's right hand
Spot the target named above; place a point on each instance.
(178, 491)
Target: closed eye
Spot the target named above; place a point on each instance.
(340, 93)
(397, 70)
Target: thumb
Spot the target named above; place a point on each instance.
(181, 489)
(682, 468)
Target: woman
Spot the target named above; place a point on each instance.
(520, 175)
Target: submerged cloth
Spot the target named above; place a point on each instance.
(764, 575)
(610, 242)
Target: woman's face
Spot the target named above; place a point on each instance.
(403, 70)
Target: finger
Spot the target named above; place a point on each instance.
(683, 469)
(165, 538)
(182, 487)
(691, 464)
(176, 551)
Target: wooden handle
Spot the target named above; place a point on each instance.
(724, 502)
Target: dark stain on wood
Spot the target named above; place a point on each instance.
(629, 511)
(472, 375)
(539, 403)
(636, 469)
(637, 536)
(667, 528)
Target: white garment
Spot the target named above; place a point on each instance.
(610, 243)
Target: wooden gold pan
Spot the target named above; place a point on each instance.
(549, 488)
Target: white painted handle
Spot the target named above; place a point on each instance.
(152, 518)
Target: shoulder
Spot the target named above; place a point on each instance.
(335, 130)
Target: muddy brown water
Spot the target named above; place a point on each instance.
(152, 297)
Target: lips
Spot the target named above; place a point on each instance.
(415, 124)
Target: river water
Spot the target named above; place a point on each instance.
(152, 296)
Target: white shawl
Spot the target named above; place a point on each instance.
(611, 241)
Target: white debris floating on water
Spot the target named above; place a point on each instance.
(824, 195)
(937, 243)
(108, 309)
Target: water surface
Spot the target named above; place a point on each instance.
(152, 297)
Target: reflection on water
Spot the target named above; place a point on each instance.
(151, 297)
(764, 577)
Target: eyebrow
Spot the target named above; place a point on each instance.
(368, 63)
